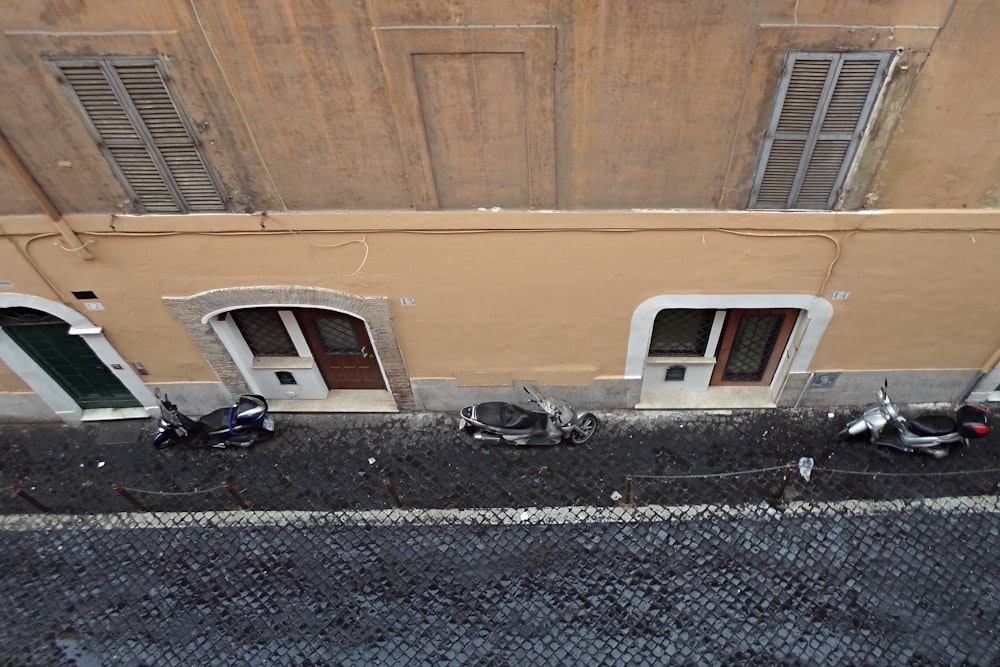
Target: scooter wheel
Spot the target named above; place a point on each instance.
(263, 435)
(584, 430)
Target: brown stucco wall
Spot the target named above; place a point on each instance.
(520, 292)
(653, 104)
(642, 123)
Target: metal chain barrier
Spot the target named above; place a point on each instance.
(781, 580)
(706, 544)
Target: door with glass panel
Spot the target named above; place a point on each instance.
(338, 343)
(342, 349)
(751, 346)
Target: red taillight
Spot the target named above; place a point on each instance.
(980, 429)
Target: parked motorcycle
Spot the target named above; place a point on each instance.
(239, 425)
(929, 434)
(505, 422)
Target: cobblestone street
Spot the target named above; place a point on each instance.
(904, 583)
(688, 538)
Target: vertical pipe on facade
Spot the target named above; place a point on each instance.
(36, 191)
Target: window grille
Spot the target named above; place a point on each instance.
(143, 133)
(681, 332)
(822, 107)
(755, 338)
(19, 315)
(337, 335)
(264, 332)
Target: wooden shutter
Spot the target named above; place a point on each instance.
(821, 110)
(144, 134)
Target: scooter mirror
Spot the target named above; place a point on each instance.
(156, 392)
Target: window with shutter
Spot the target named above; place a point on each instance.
(821, 110)
(143, 133)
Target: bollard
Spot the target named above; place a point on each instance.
(24, 494)
(129, 497)
(778, 496)
(395, 497)
(239, 499)
(628, 490)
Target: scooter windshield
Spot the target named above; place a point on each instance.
(562, 411)
(168, 413)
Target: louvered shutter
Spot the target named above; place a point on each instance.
(144, 135)
(821, 110)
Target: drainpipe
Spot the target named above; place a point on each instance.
(43, 200)
(980, 374)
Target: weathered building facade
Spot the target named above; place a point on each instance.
(415, 204)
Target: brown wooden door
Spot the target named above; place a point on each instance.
(342, 349)
(751, 346)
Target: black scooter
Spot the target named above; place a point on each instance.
(239, 425)
(505, 422)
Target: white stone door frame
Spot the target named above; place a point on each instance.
(986, 388)
(48, 390)
(805, 337)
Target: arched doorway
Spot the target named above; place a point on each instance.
(66, 358)
(303, 353)
(310, 348)
(69, 364)
(722, 350)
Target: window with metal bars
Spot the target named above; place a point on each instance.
(821, 109)
(264, 332)
(681, 332)
(143, 133)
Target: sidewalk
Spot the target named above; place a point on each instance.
(421, 460)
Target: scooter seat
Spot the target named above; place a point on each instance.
(932, 425)
(507, 415)
(217, 420)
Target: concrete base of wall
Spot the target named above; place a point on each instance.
(25, 408)
(445, 395)
(822, 389)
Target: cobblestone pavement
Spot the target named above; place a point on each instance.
(334, 462)
(360, 548)
(823, 584)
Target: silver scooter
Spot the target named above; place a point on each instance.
(498, 422)
(929, 434)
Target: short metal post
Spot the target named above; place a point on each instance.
(239, 499)
(24, 494)
(779, 492)
(395, 497)
(129, 497)
(628, 490)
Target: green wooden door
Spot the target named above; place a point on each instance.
(66, 358)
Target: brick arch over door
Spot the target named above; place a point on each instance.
(194, 312)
